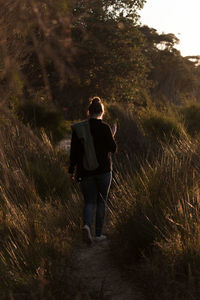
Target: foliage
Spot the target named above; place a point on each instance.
(130, 139)
(36, 235)
(174, 77)
(109, 59)
(72, 50)
(160, 126)
(48, 186)
(66, 51)
(191, 118)
(156, 220)
(35, 160)
(39, 115)
(35, 39)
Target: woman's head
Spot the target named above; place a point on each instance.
(96, 107)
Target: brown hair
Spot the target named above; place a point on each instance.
(96, 106)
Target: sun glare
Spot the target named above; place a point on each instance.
(175, 16)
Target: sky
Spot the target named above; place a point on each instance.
(181, 17)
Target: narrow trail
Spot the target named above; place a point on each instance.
(65, 144)
(93, 269)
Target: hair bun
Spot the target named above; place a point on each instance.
(96, 100)
(96, 106)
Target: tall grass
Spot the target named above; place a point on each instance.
(191, 116)
(156, 221)
(37, 227)
(161, 126)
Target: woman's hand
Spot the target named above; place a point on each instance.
(72, 177)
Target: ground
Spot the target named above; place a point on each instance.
(94, 270)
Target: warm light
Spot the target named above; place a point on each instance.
(180, 17)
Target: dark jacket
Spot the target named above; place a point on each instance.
(104, 144)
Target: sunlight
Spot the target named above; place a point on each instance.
(175, 17)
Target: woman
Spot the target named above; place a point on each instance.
(91, 145)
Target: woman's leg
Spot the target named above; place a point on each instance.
(103, 184)
(89, 190)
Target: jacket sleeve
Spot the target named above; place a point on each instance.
(74, 153)
(110, 140)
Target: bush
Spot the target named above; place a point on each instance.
(191, 118)
(50, 177)
(38, 115)
(129, 137)
(161, 127)
(156, 218)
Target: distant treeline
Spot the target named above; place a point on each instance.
(62, 52)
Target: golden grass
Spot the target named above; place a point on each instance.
(36, 234)
(156, 219)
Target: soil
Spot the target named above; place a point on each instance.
(94, 270)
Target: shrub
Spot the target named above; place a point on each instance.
(156, 218)
(38, 115)
(130, 139)
(49, 176)
(161, 127)
(191, 118)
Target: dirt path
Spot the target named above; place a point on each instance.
(93, 269)
(65, 144)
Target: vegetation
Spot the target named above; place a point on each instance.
(39, 217)
(190, 115)
(40, 116)
(54, 56)
(157, 221)
(161, 127)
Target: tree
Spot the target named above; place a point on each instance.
(66, 51)
(109, 60)
(35, 37)
(174, 76)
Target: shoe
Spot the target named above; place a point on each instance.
(87, 237)
(101, 238)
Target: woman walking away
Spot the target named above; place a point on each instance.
(91, 145)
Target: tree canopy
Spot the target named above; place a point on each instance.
(66, 51)
(174, 77)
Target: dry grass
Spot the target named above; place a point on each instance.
(156, 220)
(154, 215)
(36, 233)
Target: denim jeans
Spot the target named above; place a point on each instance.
(95, 191)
